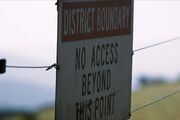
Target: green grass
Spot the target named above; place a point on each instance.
(46, 114)
(167, 109)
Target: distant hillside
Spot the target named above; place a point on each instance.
(25, 89)
(167, 109)
(15, 95)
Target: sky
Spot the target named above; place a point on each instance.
(154, 22)
(28, 36)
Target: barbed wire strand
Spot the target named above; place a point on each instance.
(155, 101)
(136, 50)
(157, 44)
(31, 67)
(163, 97)
(57, 67)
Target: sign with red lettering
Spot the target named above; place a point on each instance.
(85, 20)
(95, 54)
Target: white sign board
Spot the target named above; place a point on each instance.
(95, 54)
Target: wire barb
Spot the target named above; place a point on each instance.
(57, 4)
(53, 66)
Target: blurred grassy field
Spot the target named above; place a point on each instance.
(167, 109)
(46, 114)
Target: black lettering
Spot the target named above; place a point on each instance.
(108, 79)
(83, 58)
(93, 58)
(98, 81)
(97, 60)
(112, 51)
(104, 106)
(88, 84)
(94, 81)
(83, 110)
(80, 58)
(96, 109)
(84, 85)
(101, 106)
(116, 53)
(113, 101)
(107, 54)
(108, 105)
(89, 108)
(78, 110)
(102, 51)
(103, 86)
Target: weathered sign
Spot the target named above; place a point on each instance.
(95, 55)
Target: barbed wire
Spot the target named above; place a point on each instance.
(155, 101)
(163, 97)
(32, 67)
(48, 67)
(157, 44)
(136, 50)
(36, 67)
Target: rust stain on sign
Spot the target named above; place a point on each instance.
(95, 19)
